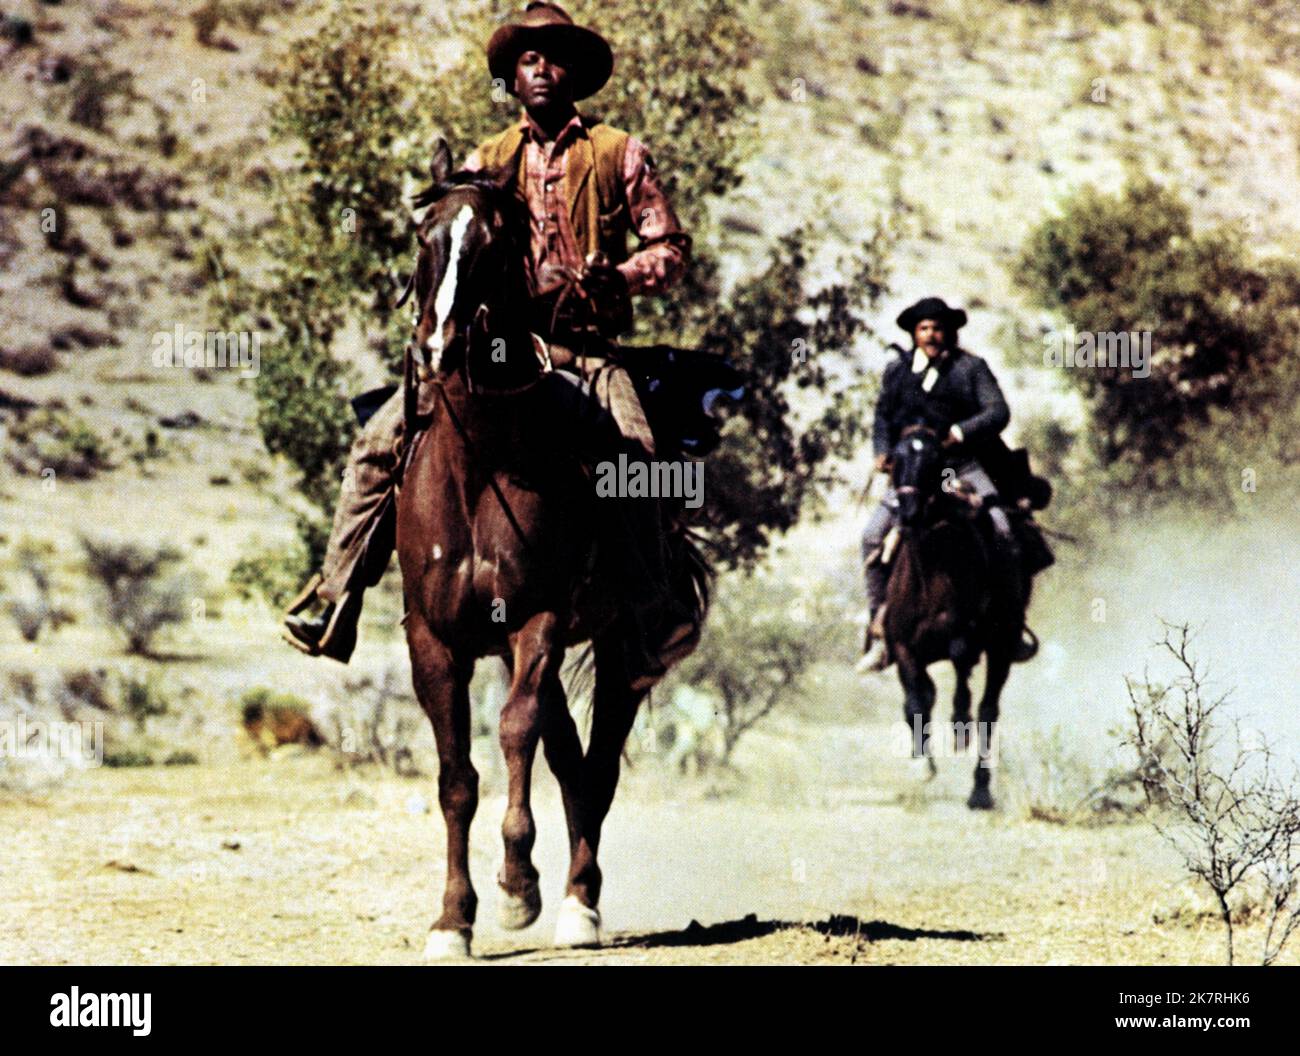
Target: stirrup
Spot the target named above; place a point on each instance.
(339, 639)
(306, 597)
(1026, 648)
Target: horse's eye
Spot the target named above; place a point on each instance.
(917, 445)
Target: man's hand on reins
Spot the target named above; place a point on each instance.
(606, 288)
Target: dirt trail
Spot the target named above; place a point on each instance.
(290, 862)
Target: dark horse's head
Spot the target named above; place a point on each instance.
(916, 473)
(469, 281)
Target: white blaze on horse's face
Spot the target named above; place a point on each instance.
(445, 299)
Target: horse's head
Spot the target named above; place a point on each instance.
(916, 473)
(469, 282)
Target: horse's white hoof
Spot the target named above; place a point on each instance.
(515, 912)
(923, 769)
(577, 925)
(446, 946)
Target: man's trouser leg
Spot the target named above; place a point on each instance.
(973, 476)
(363, 499)
(360, 543)
(613, 388)
(882, 519)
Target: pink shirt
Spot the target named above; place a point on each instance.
(660, 257)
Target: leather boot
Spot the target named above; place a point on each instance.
(331, 632)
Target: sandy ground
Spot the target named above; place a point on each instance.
(290, 861)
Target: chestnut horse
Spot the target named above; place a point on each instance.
(952, 595)
(496, 536)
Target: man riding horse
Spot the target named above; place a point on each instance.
(938, 385)
(586, 186)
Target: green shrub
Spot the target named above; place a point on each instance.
(752, 658)
(1222, 326)
(273, 575)
(51, 438)
(141, 699)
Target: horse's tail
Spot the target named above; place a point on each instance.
(699, 574)
(696, 577)
(581, 676)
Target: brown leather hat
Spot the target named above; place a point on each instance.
(545, 25)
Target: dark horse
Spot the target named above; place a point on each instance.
(496, 538)
(951, 596)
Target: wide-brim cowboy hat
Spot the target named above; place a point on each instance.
(951, 319)
(549, 27)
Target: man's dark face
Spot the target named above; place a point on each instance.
(542, 80)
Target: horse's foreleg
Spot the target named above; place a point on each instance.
(614, 710)
(962, 726)
(918, 702)
(442, 686)
(999, 665)
(536, 659)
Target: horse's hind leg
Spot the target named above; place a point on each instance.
(918, 702)
(999, 665)
(537, 659)
(442, 686)
(614, 710)
(563, 748)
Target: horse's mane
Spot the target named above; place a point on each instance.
(489, 181)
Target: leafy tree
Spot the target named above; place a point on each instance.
(1221, 323)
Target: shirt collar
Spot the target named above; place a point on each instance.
(574, 128)
(920, 360)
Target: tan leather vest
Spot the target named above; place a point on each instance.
(597, 206)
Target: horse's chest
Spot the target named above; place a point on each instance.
(470, 580)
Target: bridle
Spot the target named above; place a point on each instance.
(463, 337)
(908, 433)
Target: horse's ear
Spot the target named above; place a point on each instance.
(504, 177)
(440, 166)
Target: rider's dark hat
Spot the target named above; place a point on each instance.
(549, 25)
(952, 319)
